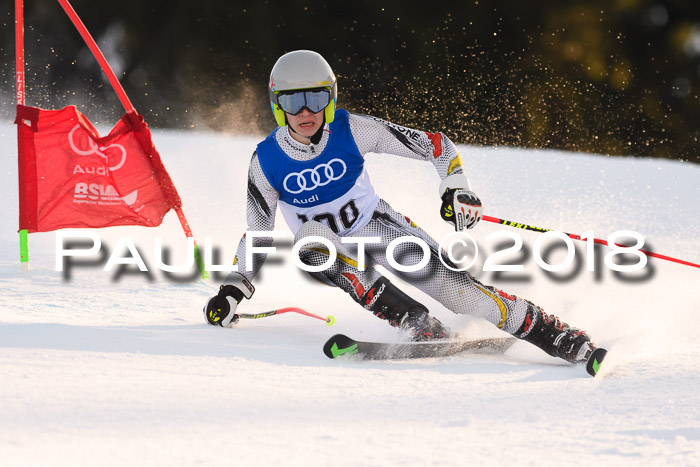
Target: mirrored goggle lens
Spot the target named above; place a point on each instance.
(315, 101)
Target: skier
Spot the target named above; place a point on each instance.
(312, 167)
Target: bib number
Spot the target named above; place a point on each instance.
(347, 215)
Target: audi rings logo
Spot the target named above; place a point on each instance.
(309, 179)
(114, 160)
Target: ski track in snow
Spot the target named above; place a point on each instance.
(102, 369)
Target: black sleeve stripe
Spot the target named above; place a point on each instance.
(254, 193)
(404, 140)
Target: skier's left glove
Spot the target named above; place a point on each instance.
(220, 310)
(460, 206)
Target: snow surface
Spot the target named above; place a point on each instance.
(106, 369)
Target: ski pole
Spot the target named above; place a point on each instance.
(330, 321)
(520, 225)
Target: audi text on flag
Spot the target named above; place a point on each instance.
(70, 177)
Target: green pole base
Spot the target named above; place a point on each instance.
(23, 246)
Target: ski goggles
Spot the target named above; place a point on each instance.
(292, 102)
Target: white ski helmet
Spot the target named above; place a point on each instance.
(302, 70)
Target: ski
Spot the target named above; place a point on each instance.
(594, 360)
(342, 345)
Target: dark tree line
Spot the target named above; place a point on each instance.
(614, 77)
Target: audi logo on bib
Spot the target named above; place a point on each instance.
(310, 179)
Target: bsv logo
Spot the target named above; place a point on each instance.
(310, 179)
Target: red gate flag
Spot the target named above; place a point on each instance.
(70, 177)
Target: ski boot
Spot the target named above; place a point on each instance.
(388, 302)
(554, 337)
(423, 327)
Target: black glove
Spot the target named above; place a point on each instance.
(461, 207)
(220, 310)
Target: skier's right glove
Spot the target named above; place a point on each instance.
(460, 206)
(220, 310)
